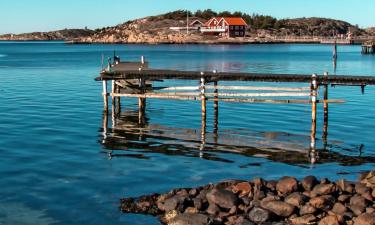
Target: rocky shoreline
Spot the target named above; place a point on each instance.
(285, 201)
(180, 39)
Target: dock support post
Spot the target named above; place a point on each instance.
(142, 101)
(203, 99)
(314, 94)
(216, 108)
(325, 106)
(203, 94)
(203, 135)
(117, 100)
(105, 95)
(105, 126)
(113, 91)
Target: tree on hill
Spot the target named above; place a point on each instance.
(205, 14)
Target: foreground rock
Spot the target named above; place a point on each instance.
(287, 201)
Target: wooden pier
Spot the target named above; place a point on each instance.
(137, 80)
(368, 47)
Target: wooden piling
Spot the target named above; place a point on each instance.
(216, 108)
(105, 95)
(203, 133)
(203, 94)
(142, 88)
(113, 91)
(325, 109)
(203, 100)
(314, 94)
(105, 125)
(117, 100)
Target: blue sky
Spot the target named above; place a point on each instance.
(19, 16)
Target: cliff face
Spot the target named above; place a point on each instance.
(67, 34)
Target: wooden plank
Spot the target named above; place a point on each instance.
(239, 88)
(274, 94)
(198, 98)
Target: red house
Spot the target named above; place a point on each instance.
(225, 26)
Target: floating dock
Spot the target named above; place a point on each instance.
(137, 80)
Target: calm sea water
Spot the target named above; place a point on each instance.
(58, 165)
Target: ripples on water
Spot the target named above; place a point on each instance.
(61, 164)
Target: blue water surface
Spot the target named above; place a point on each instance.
(60, 165)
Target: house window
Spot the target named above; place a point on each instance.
(236, 27)
(236, 33)
(241, 33)
(231, 27)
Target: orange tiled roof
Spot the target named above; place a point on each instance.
(234, 21)
(237, 21)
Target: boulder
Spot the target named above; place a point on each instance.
(198, 204)
(365, 219)
(244, 222)
(259, 215)
(302, 220)
(309, 182)
(279, 208)
(321, 202)
(189, 219)
(213, 209)
(323, 189)
(296, 199)
(339, 208)
(223, 198)
(329, 220)
(345, 186)
(358, 201)
(173, 203)
(243, 189)
(287, 185)
(343, 198)
(307, 209)
(361, 188)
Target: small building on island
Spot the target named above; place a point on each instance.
(197, 24)
(225, 26)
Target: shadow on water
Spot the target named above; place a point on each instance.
(131, 135)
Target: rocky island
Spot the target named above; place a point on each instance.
(60, 35)
(171, 28)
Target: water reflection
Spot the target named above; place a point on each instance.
(131, 135)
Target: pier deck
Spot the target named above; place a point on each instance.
(136, 80)
(211, 76)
